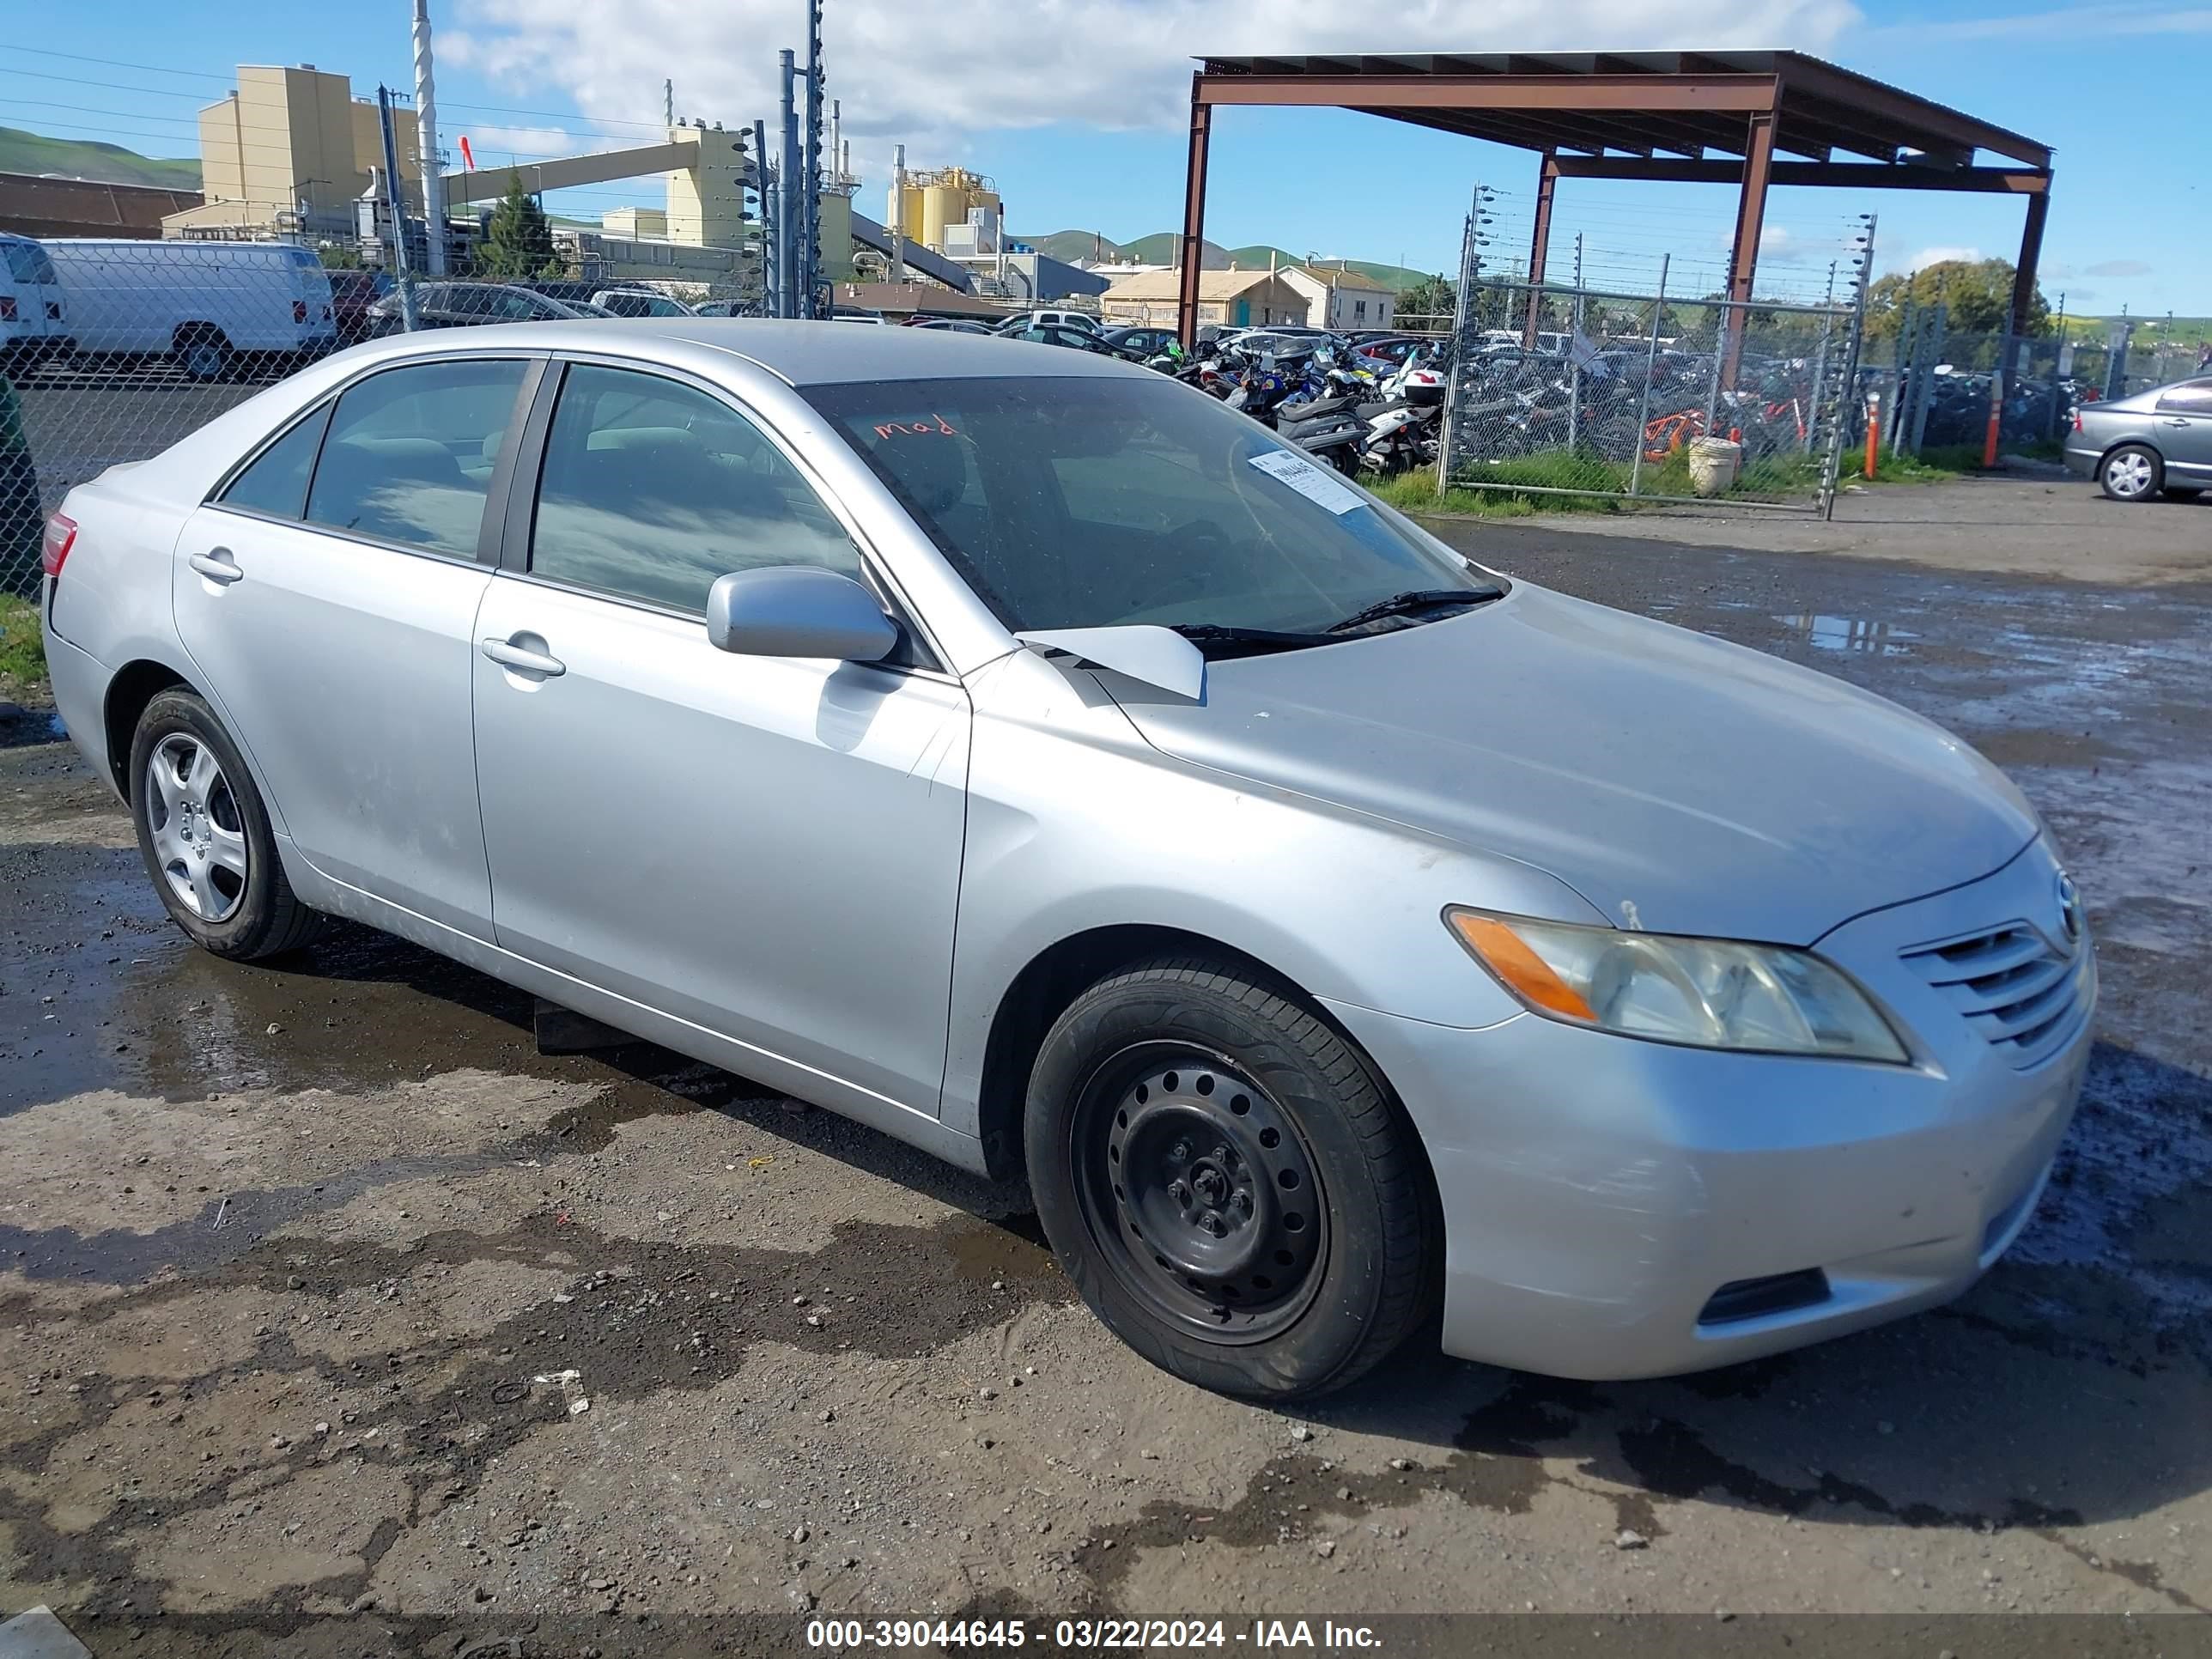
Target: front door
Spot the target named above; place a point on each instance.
(338, 642)
(765, 847)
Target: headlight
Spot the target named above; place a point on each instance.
(1710, 994)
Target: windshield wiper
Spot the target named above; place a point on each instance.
(1414, 599)
(1218, 638)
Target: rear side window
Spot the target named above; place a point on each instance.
(410, 452)
(276, 482)
(27, 263)
(2190, 398)
(652, 489)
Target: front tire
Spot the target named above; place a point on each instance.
(1228, 1182)
(2132, 472)
(205, 835)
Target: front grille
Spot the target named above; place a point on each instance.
(1755, 1298)
(2011, 984)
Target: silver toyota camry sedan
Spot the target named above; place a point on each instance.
(1024, 754)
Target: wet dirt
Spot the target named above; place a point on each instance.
(335, 1318)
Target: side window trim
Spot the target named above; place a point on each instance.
(529, 465)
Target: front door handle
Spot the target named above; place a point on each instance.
(217, 564)
(523, 661)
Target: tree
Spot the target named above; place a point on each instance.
(1978, 293)
(1432, 296)
(519, 242)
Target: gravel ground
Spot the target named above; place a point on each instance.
(334, 1318)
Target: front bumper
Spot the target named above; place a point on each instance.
(1606, 1199)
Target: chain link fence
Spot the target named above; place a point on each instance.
(112, 350)
(1571, 391)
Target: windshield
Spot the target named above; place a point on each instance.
(1086, 503)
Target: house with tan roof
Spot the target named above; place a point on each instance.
(1231, 299)
(1341, 299)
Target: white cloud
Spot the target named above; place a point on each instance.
(2120, 268)
(1936, 256)
(926, 78)
(2056, 23)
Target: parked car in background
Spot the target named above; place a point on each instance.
(1048, 318)
(2151, 443)
(1058, 771)
(639, 302)
(33, 315)
(1058, 334)
(726, 308)
(1139, 342)
(857, 314)
(209, 308)
(353, 293)
(949, 324)
(466, 305)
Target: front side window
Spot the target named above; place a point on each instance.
(276, 482)
(410, 452)
(652, 489)
(1091, 502)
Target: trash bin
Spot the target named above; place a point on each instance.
(1713, 464)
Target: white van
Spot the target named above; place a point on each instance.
(201, 304)
(33, 317)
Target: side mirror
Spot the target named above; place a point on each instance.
(797, 611)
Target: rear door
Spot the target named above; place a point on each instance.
(328, 596)
(2182, 421)
(32, 314)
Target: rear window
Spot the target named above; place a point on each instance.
(2190, 398)
(27, 263)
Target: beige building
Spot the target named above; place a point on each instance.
(290, 150)
(1341, 299)
(1232, 298)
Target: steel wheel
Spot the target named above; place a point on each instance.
(2130, 474)
(199, 838)
(1201, 1192)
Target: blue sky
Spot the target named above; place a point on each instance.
(1076, 111)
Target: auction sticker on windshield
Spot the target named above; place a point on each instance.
(1314, 483)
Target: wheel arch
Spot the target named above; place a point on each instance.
(1056, 975)
(132, 687)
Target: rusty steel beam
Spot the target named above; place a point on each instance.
(1569, 92)
(1827, 175)
(1750, 218)
(1193, 218)
(1539, 242)
(2030, 255)
(1904, 116)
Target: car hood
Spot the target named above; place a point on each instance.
(1679, 783)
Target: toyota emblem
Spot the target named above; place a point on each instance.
(2069, 909)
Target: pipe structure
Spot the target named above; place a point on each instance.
(898, 272)
(425, 138)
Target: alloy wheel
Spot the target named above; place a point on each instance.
(199, 839)
(2129, 474)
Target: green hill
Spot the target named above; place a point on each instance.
(79, 158)
(1159, 248)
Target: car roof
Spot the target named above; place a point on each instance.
(800, 354)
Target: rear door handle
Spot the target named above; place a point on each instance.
(217, 565)
(2177, 420)
(523, 660)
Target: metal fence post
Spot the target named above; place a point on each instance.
(401, 273)
(1931, 354)
(1651, 362)
(1469, 259)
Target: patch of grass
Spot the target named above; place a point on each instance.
(22, 648)
(1416, 492)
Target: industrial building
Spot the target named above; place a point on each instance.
(288, 152)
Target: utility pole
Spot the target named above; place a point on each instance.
(764, 194)
(426, 139)
(898, 272)
(791, 222)
(810, 257)
(398, 209)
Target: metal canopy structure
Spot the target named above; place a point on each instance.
(1684, 117)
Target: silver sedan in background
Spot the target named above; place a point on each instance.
(1024, 754)
(2152, 443)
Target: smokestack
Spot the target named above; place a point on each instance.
(425, 138)
(898, 214)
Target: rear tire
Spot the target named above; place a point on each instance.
(202, 352)
(2131, 472)
(1228, 1182)
(205, 835)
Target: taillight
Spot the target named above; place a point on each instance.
(299, 310)
(2077, 417)
(61, 536)
(6, 307)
